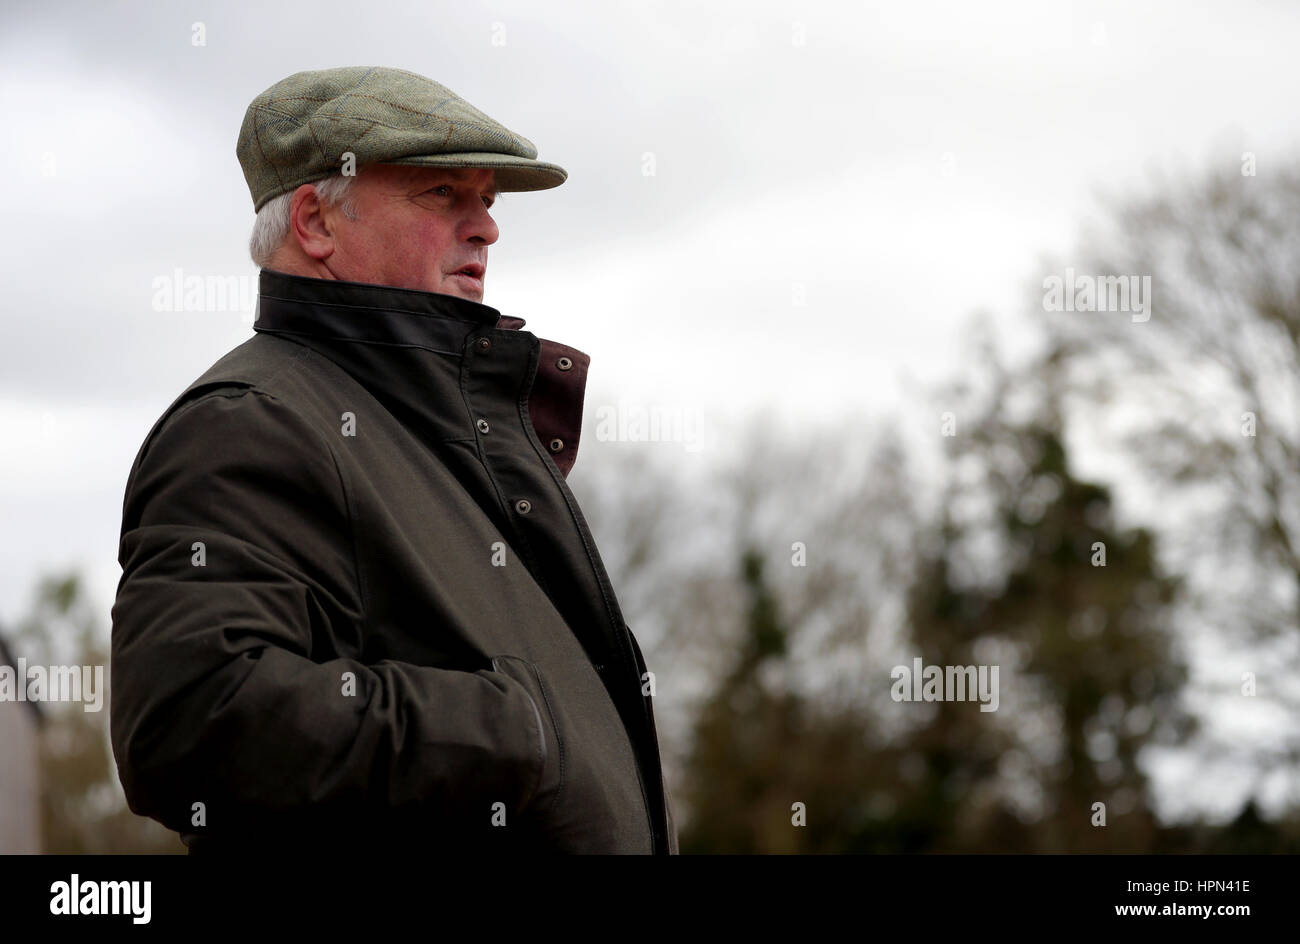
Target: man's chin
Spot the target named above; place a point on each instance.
(463, 286)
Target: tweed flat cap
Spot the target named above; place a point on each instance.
(299, 130)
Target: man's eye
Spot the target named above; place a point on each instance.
(487, 201)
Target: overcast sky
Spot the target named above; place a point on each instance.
(895, 166)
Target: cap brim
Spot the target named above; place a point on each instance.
(512, 173)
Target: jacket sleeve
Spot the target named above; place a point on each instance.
(236, 545)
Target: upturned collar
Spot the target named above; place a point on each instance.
(367, 328)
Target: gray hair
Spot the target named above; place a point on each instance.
(272, 223)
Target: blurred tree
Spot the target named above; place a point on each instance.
(1203, 402)
(83, 809)
(1008, 575)
(737, 765)
(1030, 570)
(801, 535)
(768, 771)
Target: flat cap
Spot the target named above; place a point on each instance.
(300, 129)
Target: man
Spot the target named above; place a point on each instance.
(360, 607)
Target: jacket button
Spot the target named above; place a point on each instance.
(483, 426)
(557, 444)
(564, 363)
(484, 344)
(523, 506)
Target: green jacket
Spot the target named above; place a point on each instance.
(359, 604)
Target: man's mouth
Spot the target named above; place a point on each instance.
(472, 273)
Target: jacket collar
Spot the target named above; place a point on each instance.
(384, 335)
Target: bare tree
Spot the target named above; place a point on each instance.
(1204, 400)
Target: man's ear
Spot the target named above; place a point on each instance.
(308, 224)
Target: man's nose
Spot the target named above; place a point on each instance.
(482, 226)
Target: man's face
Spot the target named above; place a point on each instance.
(416, 227)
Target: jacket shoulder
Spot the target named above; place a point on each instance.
(264, 362)
(276, 368)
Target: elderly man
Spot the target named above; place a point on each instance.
(360, 606)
